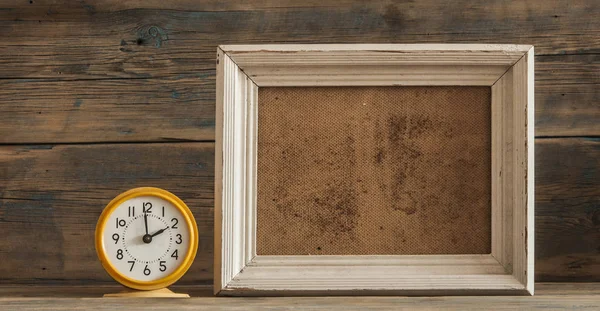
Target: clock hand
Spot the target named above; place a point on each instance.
(146, 222)
(159, 232)
(146, 238)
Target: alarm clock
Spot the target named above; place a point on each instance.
(146, 238)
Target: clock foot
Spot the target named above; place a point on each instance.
(158, 293)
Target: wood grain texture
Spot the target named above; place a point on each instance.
(373, 275)
(567, 95)
(374, 64)
(125, 110)
(502, 170)
(65, 40)
(567, 209)
(549, 297)
(52, 197)
(523, 170)
(550, 24)
(141, 51)
(22, 291)
(106, 111)
(236, 98)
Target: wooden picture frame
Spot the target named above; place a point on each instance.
(507, 69)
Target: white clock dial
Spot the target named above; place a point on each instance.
(146, 238)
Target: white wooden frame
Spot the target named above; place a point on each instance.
(242, 69)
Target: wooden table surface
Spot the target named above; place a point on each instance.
(97, 97)
(549, 296)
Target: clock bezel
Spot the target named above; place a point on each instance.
(187, 261)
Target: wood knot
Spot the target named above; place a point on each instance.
(152, 33)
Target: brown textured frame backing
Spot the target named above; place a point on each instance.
(392, 170)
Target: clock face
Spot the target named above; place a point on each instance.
(146, 238)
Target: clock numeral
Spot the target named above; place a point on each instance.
(115, 238)
(132, 264)
(147, 207)
(119, 254)
(163, 267)
(120, 223)
(174, 226)
(163, 211)
(146, 271)
(179, 240)
(174, 255)
(131, 212)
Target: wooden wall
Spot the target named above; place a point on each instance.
(97, 97)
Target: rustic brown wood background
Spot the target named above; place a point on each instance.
(100, 96)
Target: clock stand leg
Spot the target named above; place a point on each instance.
(157, 293)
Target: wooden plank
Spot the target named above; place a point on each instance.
(68, 40)
(556, 289)
(567, 95)
(522, 182)
(89, 291)
(552, 26)
(549, 297)
(319, 303)
(182, 107)
(567, 211)
(567, 109)
(230, 189)
(141, 43)
(52, 196)
(111, 110)
(96, 291)
(502, 170)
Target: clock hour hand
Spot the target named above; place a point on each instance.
(159, 232)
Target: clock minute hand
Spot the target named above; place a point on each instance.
(146, 222)
(159, 232)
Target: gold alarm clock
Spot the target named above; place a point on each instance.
(146, 238)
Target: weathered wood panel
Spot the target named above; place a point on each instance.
(567, 110)
(567, 95)
(182, 107)
(548, 297)
(107, 111)
(567, 209)
(554, 26)
(22, 291)
(143, 71)
(52, 196)
(143, 44)
(60, 41)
